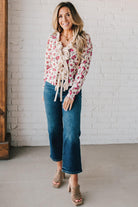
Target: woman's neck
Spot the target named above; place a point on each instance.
(67, 33)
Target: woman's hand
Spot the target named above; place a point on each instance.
(42, 98)
(67, 103)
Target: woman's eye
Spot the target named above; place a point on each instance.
(60, 16)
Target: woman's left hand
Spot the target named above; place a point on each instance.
(67, 103)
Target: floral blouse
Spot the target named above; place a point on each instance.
(62, 68)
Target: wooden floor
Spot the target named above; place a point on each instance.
(109, 178)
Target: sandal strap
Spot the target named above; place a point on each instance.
(58, 176)
(75, 193)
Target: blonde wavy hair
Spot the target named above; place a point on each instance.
(79, 35)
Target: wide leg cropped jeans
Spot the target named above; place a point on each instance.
(64, 129)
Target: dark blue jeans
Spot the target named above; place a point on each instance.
(64, 130)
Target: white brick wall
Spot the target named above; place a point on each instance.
(110, 92)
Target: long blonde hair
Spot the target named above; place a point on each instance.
(77, 27)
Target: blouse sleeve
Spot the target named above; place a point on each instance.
(82, 70)
(47, 59)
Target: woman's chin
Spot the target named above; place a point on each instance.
(66, 28)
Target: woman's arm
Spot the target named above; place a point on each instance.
(47, 58)
(82, 70)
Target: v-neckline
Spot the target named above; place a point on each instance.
(58, 39)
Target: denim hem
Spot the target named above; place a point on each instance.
(69, 172)
(56, 160)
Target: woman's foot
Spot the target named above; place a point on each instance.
(75, 193)
(58, 179)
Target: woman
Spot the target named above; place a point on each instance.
(68, 55)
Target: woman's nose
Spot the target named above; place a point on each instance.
(64, 18)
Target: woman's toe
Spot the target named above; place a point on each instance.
(55, 182)
(78, 200)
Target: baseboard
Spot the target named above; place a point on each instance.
(5, 147)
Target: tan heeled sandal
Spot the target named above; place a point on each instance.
(58, 179)
(75, 194)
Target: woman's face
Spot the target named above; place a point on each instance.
(64, 18)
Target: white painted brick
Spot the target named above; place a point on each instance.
(12, 108)
(12, 120)
(109, 105)
(14, 126)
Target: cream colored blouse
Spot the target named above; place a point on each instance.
(62, 68)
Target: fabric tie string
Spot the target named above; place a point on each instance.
(62, 71)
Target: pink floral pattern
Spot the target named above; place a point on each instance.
(76, 73)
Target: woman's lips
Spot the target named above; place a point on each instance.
(65, 24)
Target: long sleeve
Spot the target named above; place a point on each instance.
(47, 59)
(82, 70)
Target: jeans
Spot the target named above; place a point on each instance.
(64, 129)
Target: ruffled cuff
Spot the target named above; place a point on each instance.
(71, 95)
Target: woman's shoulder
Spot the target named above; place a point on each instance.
(53, 36)
(88, 39)
(86, 36)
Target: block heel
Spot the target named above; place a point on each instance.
(75, 194)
